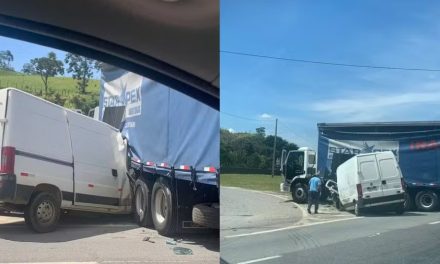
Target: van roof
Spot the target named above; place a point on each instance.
(48, 102)
(375, 153)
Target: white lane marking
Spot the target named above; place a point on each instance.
(434, 223)
(259, 260)
(377, 234)
(291, 227)
(145, 261)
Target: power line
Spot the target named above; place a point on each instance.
(246, 118)
(329, 63)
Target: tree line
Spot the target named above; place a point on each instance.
(246, 150)
(48, 66)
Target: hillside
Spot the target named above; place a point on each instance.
(62, 90)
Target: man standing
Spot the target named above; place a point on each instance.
(314, 191)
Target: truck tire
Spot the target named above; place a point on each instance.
(299, 193)
(142, 205)
(207, 215)
(162, 208)
(43, 212)
(426, 201)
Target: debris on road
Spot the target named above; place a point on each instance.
(182, 251)
(148, 239)
(171, 242)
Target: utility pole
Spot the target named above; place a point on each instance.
(274, 147)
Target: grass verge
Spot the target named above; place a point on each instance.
(260, 182)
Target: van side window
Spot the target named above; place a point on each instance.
(388, 168)
(369, 170)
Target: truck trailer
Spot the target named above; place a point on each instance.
(173, 143)
(416, 146)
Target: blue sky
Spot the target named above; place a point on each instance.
(383, 33)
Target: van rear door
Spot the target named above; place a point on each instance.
(369, 176)
(390, 174)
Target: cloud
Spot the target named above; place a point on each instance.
(377, 107)
(231, 130)
(265, 116)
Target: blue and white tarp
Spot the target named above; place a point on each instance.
(162, 125)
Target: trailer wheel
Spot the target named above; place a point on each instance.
(426, 201)
(42, 213)
(162, 207)
(207, 215)
(141, 204)
(299, 193)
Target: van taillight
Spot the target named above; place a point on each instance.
(403, 183)
(8, 160)
(359, 190)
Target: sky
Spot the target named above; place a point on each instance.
(255, 91)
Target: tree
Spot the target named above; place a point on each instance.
(47, 67)
(261, 131)
(6, 58)
(28, 68)
(82, 69)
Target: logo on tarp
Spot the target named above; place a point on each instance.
(351, 147)
(124, 91)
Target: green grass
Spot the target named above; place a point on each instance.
(61, 90)
(33, 83)
(252, 181)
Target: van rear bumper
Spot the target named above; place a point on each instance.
(8, 184)
(383, 200)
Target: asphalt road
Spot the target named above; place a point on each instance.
(98, 238)
(243, 211)
(376, 238)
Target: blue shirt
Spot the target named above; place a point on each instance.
(314, 184)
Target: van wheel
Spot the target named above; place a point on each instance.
(426, 201)
(409, 202)
(357, 210)
(42, 213)
(142, 212)
(339, 205)
(162, 207)
(299, 193)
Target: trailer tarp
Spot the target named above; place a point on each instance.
(160, 123)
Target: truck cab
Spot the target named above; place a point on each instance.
(297, 167)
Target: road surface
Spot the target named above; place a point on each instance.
(101, 239)
(385, 238)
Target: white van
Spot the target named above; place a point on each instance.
(53, 158)
(371, 180)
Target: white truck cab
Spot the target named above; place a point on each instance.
(371, 180)
(297, 167)
(53, 158)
